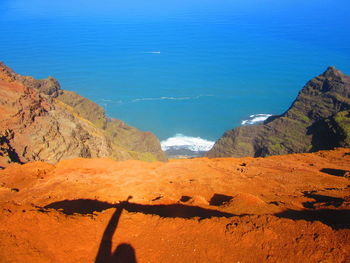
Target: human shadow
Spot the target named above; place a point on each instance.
(89, 206)
(124, 253)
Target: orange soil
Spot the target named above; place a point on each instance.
(292, 208)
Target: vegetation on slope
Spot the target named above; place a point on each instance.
(51, 124)
(317, 120)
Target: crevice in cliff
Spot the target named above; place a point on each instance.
(6, 150)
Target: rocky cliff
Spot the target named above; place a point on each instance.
(318, 119)
(40, 121)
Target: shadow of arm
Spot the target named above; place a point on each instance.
(105, 250)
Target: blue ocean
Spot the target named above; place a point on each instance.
(184, 69)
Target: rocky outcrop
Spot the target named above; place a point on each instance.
(51, 124)
(49, 86)
(318, 119)
(141, 145)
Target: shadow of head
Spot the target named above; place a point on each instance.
(124, 253)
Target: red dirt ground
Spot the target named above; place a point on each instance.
(292, 208)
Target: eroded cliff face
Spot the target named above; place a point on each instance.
(39, 121)
(318, 119)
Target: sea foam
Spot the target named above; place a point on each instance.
(171, 98)
(255, 119)
(180, 141)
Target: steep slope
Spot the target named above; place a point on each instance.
(317, 120)
(140, 145)
(39, 121)
(288, 208)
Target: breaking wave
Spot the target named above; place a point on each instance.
(109, 101)
(152, 52)
(170, 98)
(182, 142)
(162, 98)
(255, 119)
